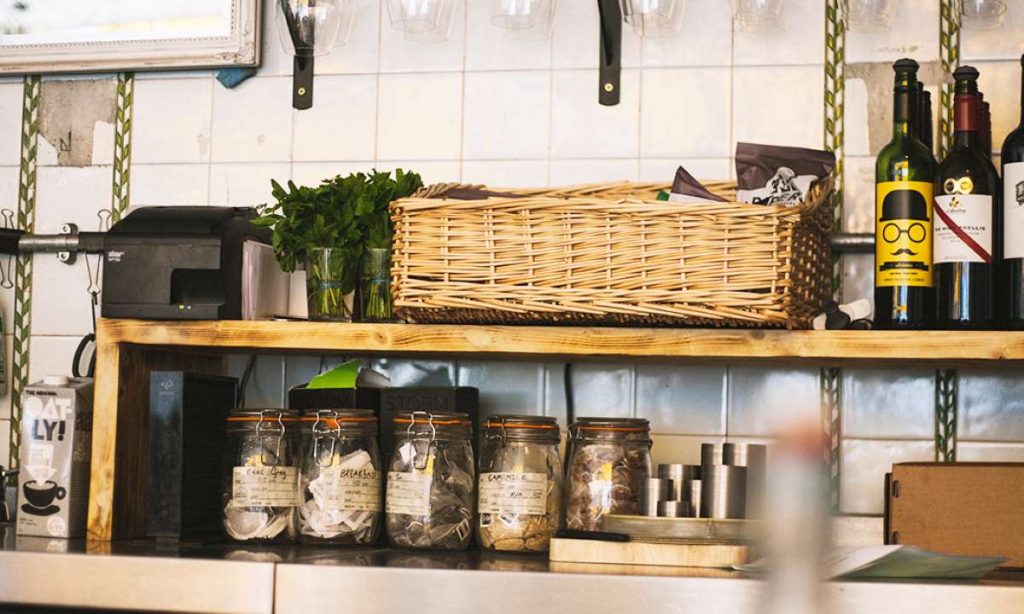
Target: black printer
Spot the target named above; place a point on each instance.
(178, 263)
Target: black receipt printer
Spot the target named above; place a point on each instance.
(178, 263)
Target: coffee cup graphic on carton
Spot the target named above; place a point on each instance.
(40, 497)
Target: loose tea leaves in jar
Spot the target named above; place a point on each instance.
(609, 460)
(340, 480)
(260, 476)
(520, 486)
(430, 488)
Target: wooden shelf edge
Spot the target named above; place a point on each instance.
(580, 342)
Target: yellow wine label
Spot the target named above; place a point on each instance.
(903, 233)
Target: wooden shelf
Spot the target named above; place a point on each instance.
(128, 350)
(665, 344)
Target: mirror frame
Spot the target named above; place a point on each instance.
(240, 48)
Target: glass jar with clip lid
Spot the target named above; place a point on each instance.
(609, 462)
(520, 502)
(260, 476)
(340, 478)
(430, 488)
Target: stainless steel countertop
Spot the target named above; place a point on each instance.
(227, 578)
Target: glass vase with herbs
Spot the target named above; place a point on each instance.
(335, 229)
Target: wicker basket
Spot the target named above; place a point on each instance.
(610, 254)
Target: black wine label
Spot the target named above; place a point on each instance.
(903, 233)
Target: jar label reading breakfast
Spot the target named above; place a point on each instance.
(408, 493)
(350, 490)
(513, 493)
(1013, 210)
(903, 234)
(263, 486)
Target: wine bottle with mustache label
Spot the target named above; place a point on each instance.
(904, 189)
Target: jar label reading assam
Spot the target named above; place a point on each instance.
(1013, 210)
(513, 493)
(963, 228)
(263, 486)
(408, 493)
(903, 234)
(349, 490)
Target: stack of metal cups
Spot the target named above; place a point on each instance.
(732, 483)
(666, 495)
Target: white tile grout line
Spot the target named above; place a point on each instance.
(209, 156)
(376, 107)
(462, 86)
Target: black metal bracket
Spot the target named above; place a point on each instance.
(302, 72)
(302, 82)
(611, 51)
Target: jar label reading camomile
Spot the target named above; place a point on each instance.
(408, 493)
(350, 490)
(263, 486)
(513, 493)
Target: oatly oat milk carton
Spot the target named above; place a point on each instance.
(56, 444)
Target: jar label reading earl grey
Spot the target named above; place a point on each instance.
(408, 493)
(513, 493)
(349, 490)
(263, 486)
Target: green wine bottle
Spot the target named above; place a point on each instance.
(904, 176)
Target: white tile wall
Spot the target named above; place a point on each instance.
(245, 185)
(863, 467)
(484, 108)
(916, 35)
(172, 120)
(798, 41)
(11, 95)
(506, 115)
(342, 123)
(672, 100)
(705, 38)
(170, 184)
(581, 128)
(488, 48)
(253, 121)
(420, 117)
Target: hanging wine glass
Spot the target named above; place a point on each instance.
(982, 14)
(654, 17)
(758, 15)
(869, 15)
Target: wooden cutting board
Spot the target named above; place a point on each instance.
(663, 553)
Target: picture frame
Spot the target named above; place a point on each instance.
(232, 37)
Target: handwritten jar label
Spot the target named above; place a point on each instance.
(264, 486)
(350, 490)
(513, 493)
(408, 493)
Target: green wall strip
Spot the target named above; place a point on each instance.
(120, 199)
(947, 389)
(831, 422)
(949, 48)
(835, 101)
(22, 329)
(947, 381)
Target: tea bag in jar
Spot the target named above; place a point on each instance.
(260, 476)
(340, 494)
(429, 502)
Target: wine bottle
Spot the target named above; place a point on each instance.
(966, 198)
(904, 186)
(925, 130)
(1012, 296)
